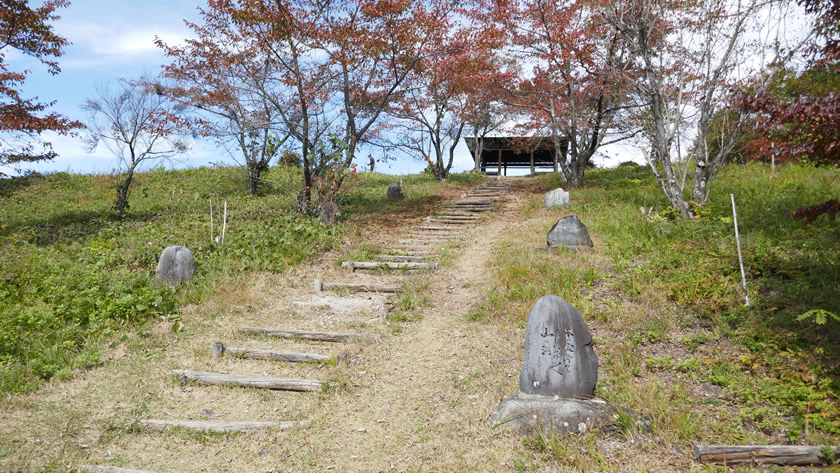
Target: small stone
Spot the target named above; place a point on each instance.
(569, 232)
(556, 198)
(207, 412)
(395, 191)
(711, 390)
(176, 265)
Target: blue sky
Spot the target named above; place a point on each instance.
(113, 40)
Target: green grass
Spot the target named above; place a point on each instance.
(73, 276)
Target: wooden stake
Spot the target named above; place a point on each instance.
(774, 454)
(224, 224)
(740, 258)
(281, 384)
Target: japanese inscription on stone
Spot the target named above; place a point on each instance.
(559, 357)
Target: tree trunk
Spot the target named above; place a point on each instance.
(372, 163)
(702, 180)
(254, 174)
(123, 191)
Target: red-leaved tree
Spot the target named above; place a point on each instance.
(576, 82)
(798, 115)
(327, 69)
(28, 30)
(449, 90)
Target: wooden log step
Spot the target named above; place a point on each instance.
(474, 202)
(221, 426)
(449, 221)
(435, 242)
(264, 382)
(458, 217)
(438, 228)
(354, 265)
(437, 234)
(442, 239)
(400, 258)
(218, 349)
(108, 469)
(774, 454)
(467, 210)
(424, 252)
(325, 286)
(308, 335)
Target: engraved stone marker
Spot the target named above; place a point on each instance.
(556, 198)
(569, 232)
(558, 377)
(559, 355)
(395, 191)
(176, 265)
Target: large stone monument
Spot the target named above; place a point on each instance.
(395, 191)
(569, 232)
(559, 372)
(556, 198)
(559, 355)
(176, 265)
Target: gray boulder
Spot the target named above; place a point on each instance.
(395, 191)
(569, 232)
(556, 198)
(523, 413)
(176, 265)
(559, 356)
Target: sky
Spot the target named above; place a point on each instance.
(115, 39)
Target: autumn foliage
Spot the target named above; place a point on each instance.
(28, 30)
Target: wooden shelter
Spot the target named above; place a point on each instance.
(501, 152)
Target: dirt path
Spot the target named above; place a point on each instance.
(416, 400)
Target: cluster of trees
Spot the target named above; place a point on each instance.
(325, 79)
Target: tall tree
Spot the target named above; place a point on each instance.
(693, 55)
(130, 122)
(576, 86)
(218, 76)
(443, 94)
(28, 30)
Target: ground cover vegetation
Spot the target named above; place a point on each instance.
(663, 298)
(73, 274)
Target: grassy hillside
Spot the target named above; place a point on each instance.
(72, 275)
(664, 295)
